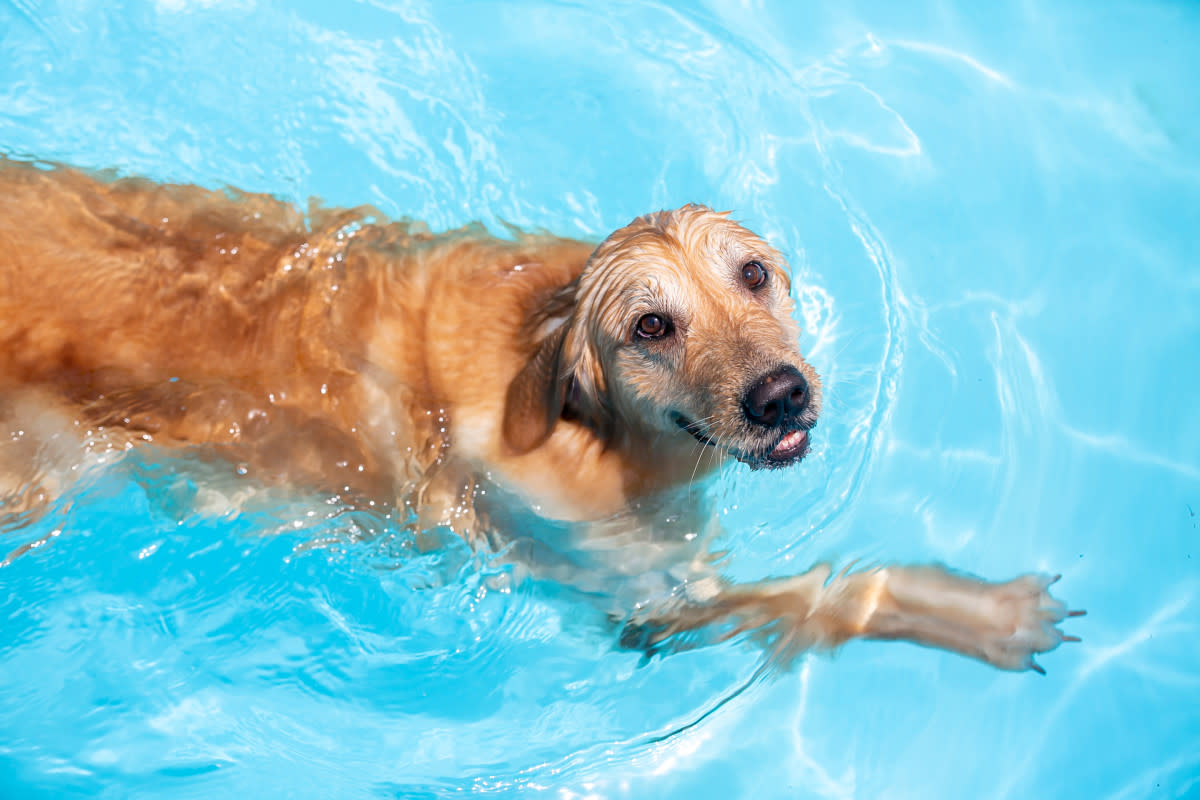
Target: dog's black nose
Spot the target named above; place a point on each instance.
(776, 397)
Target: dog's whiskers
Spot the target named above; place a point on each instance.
(704, 447)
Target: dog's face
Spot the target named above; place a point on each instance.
(681, 327)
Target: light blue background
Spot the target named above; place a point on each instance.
(993, 210)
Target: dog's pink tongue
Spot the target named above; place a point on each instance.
(790, 444)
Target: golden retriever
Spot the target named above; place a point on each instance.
(465, 377)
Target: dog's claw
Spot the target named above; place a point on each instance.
(1079, 613)
(1066, 638)
(1036, 667)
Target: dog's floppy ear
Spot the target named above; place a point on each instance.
(535, 397)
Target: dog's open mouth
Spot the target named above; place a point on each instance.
(791, 446)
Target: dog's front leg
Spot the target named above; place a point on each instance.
(1003, 624)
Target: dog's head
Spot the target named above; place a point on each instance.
(680, 329)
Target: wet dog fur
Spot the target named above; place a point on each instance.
(336, 352)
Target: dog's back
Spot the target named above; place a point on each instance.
(187, 315)
(135, 277)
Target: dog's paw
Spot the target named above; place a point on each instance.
(676, 630)
(641, 637)
(1025, 620)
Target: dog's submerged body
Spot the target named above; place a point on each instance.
(382, 363)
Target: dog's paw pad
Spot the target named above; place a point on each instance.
(1025, 617)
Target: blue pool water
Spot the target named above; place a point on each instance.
(994, 213)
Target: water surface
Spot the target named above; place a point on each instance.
(992, 213)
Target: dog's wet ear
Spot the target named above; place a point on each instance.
(536, 396)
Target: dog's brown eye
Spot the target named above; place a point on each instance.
(652, 326)
(754, 274)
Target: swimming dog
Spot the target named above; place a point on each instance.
(335, 351)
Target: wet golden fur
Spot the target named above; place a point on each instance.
(340, 353)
